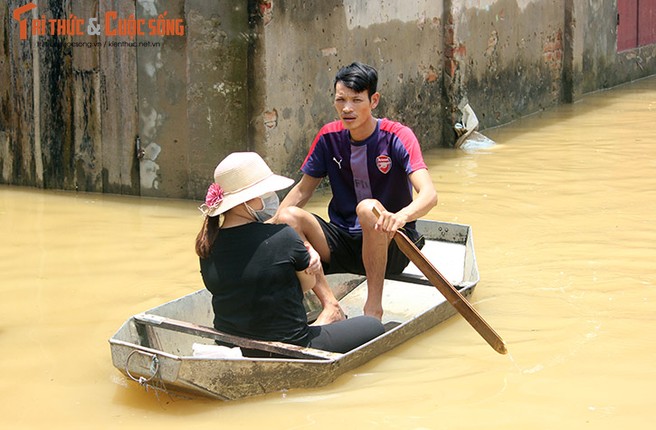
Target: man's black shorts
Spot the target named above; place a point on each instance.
(346, 250)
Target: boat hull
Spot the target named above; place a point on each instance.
(164, 359)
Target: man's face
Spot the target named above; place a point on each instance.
(353, 108)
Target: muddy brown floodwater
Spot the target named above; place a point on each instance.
(562, 210)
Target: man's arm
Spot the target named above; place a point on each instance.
(422, 203)
(298, 196)
(301, 193)
(307, 281)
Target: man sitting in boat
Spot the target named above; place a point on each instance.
(370, 162)
(257, 272)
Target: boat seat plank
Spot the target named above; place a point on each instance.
(411, 278)
(280, 348)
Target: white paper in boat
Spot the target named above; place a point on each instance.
(215, 351)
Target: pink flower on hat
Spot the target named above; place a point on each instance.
(214, 195)
(212, 199)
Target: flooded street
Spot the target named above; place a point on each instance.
(562, 210)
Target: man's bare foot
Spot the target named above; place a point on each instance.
(374, 311)
(330, 314)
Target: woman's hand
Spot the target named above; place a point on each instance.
(315, 260)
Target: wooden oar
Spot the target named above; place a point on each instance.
(448, 291)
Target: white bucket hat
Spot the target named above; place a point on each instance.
(240, 177)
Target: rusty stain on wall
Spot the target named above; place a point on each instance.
(270, 118)
(265, 8)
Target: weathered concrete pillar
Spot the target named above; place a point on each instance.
(6, 100)
(86, 96)
(567, 86)
(192, 95)
(162, 79)
(17, 101)
(217, 91)
(455, 53)
(118, 102)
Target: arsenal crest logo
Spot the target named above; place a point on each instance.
(384, 163)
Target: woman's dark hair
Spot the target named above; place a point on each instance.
(207, 236)
(358, 77)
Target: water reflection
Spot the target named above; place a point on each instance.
(562, 211)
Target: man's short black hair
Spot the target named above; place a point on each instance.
(358, 77)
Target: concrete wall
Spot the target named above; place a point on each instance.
(73, 112)
(154, 117)
(508, 59)
(303, 44)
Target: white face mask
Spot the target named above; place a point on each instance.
(270, 203)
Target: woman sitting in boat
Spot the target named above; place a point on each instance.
(258, 272)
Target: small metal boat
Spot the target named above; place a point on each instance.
(170, 346)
